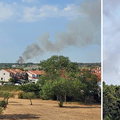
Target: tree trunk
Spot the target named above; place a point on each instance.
(57, 97)
(31, 101)
(85, 100)
(7, 100)
(61, 102)
(60, 98)
(65, 98)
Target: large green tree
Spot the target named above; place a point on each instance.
(58, 65)
(59, 87)
(63, 79)
(90, 80)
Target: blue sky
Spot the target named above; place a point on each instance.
(38, 29)
(111, 42)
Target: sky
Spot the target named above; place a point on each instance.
(34, 30)
(111, 42)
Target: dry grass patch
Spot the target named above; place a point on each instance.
(48, 110)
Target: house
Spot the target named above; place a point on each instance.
(6, 74)
(34, 75)
(97, 72)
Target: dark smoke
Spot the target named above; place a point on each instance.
(30, 52)
(81, 32)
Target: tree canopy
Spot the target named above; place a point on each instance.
(63, 79)
(111, 102)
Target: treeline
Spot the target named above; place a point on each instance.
(16, 65)
(22, 65)
(91, 65)
(111, 102)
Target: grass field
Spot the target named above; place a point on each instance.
(20, 109)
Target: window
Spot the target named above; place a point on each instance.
(4, 73)
(1, 78)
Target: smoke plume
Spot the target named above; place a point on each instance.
(81, 32)
(111, 42)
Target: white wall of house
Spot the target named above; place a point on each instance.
(4, 75)
(32, 80)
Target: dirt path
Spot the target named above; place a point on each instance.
(20, 109)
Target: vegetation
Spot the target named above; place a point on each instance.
(111, 102)
(1, 110)
(3, 104)
(6, 95)
(91, 65)
(31, 88)
(26, 77)
(29, 95)
(64, 81)
(9, 88)
(12, 80)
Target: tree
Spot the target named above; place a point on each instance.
(26, 76)
(54, 65)
(91, 83)
(111, 102)
(6, 95)
(63, 80)
(60, 87)
(29, 95)
(58, 66)
(31, 88)
(12, 80)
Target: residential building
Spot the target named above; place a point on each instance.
(6, 74)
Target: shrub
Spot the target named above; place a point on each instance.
(3, 103)
(20, 95)
(1, 110)
(25, 96)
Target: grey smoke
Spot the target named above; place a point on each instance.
(30, 52)
(111, 42)
(81, 32)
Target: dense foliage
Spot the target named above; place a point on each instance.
(111, 102)
(63, 80)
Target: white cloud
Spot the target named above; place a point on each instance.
(32, 14)
(28, 1)
(111, 42)
(6, 11)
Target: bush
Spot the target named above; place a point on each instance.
(29, 95)
(25, 96)
(20, 95)
(1, 110)
(3, 103)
